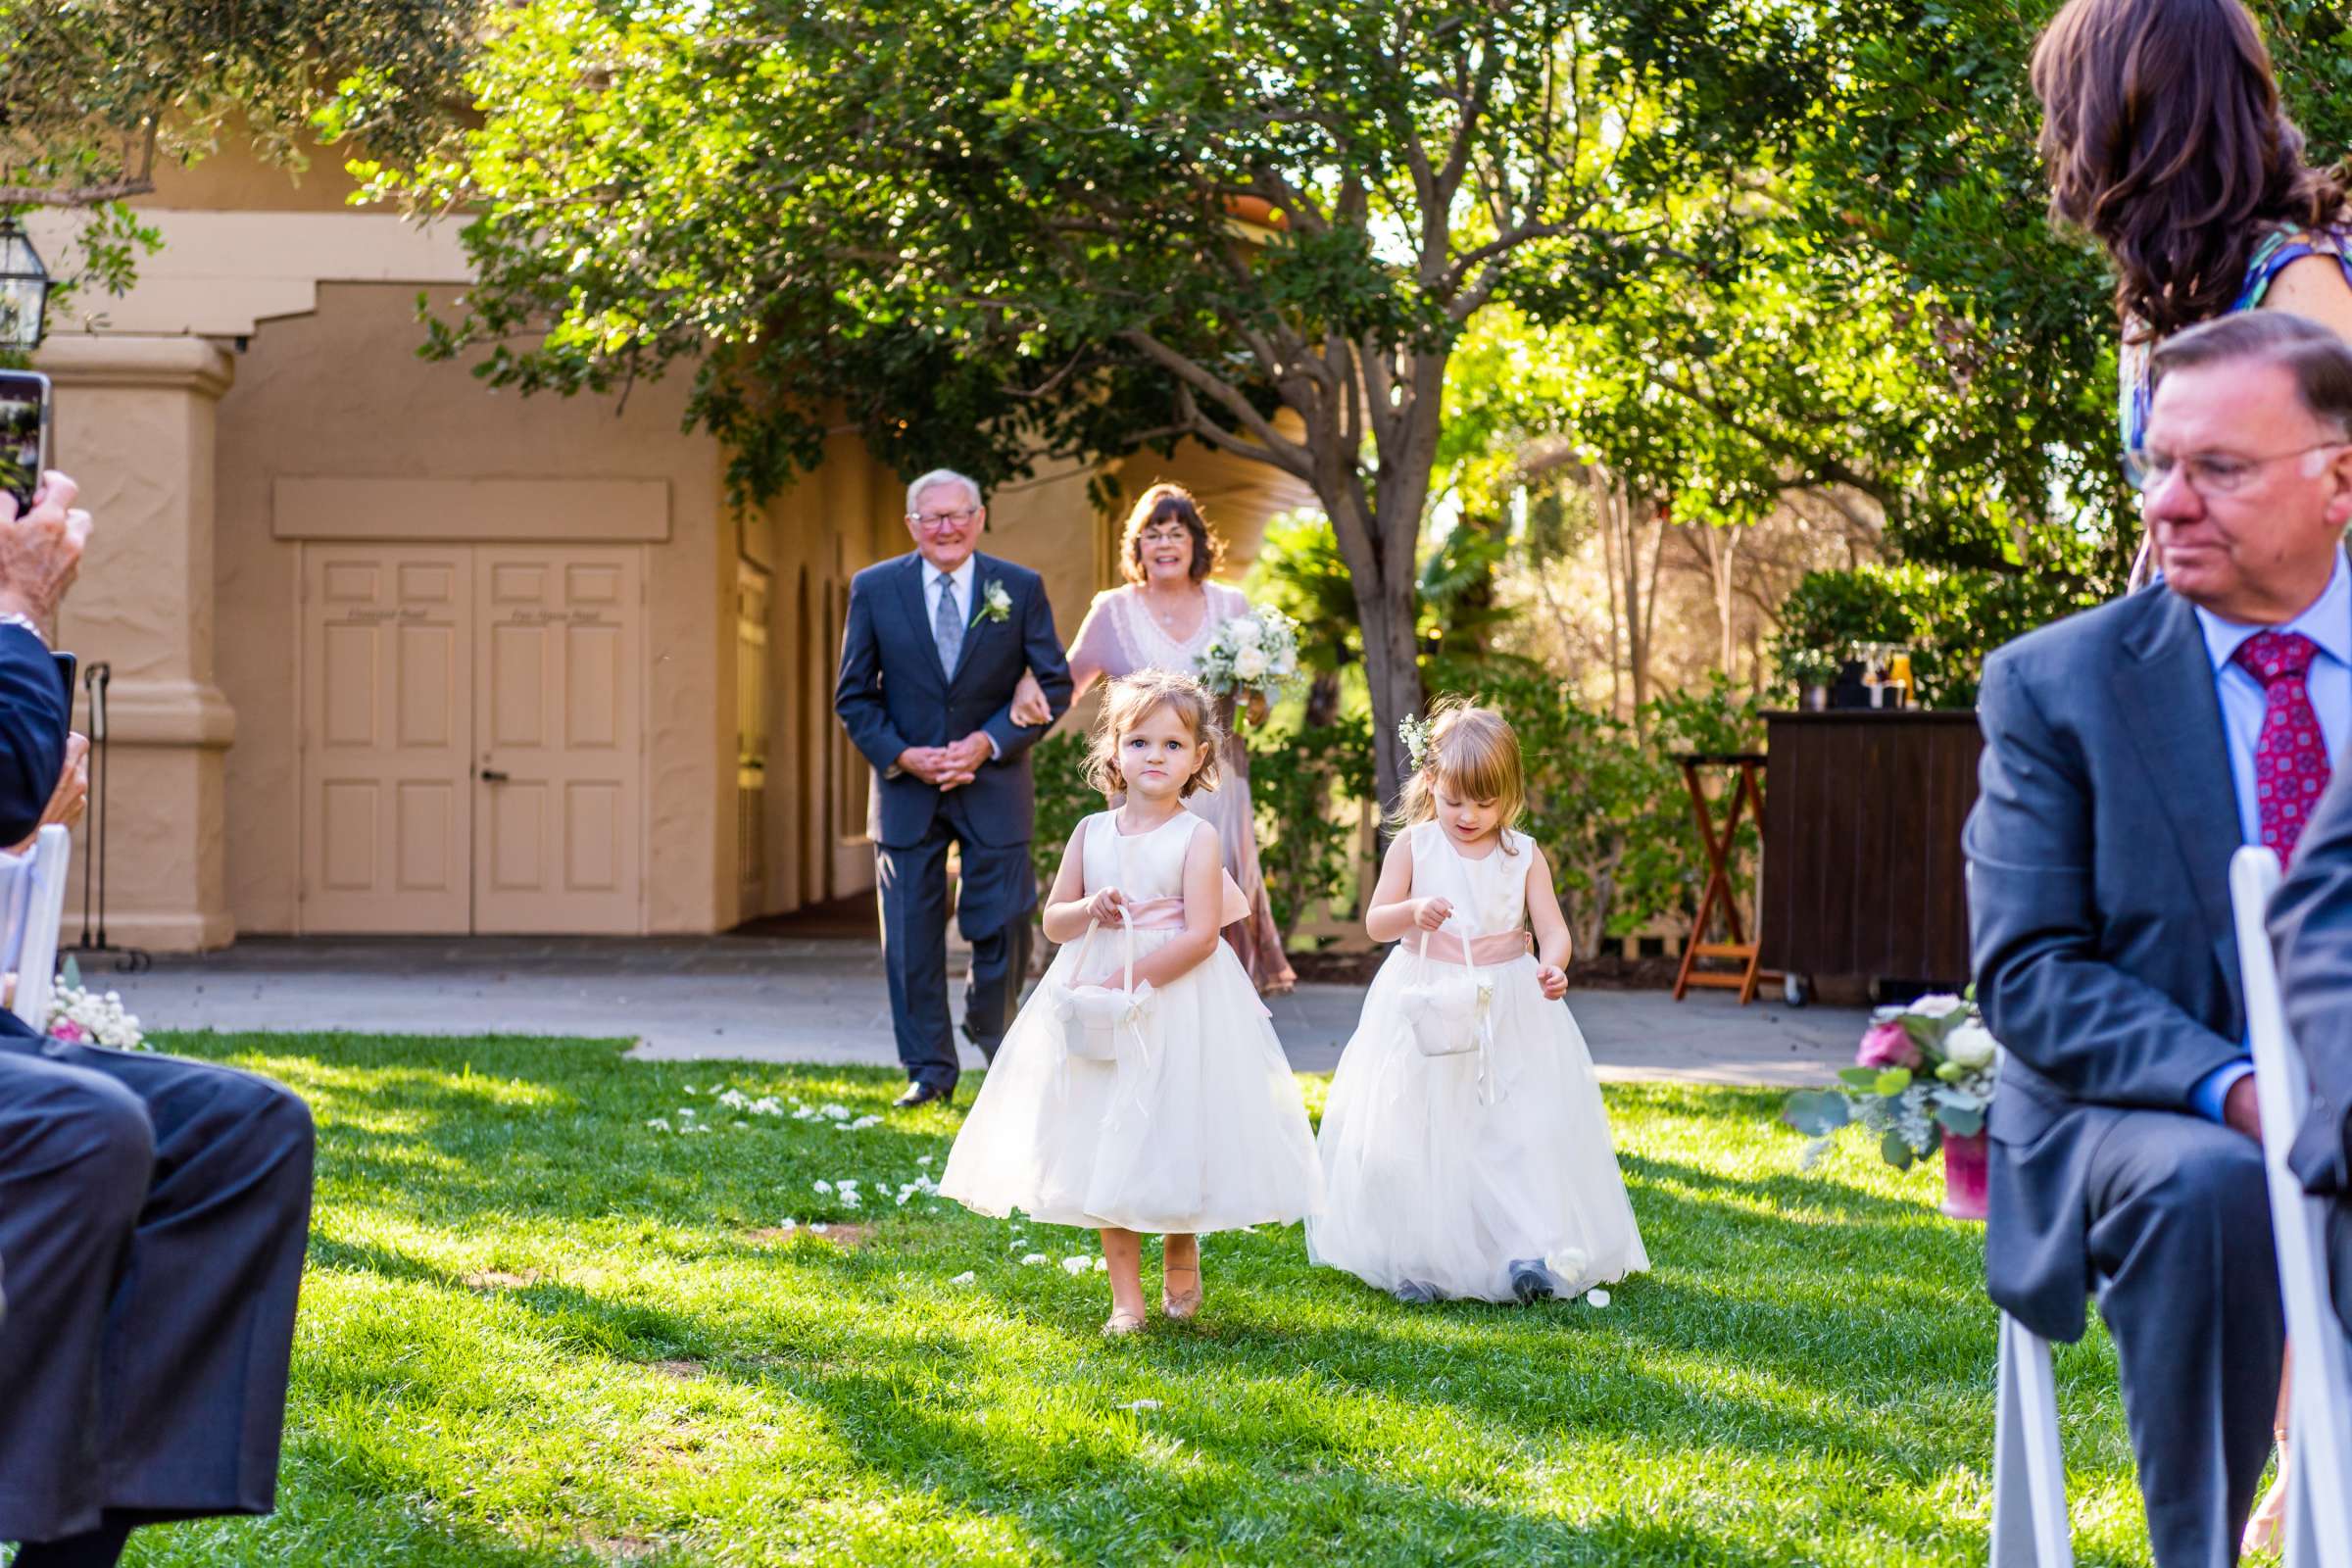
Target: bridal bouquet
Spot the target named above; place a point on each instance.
(1253, 654)
(1925, 1073)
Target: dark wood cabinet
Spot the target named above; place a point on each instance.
(1863, 873)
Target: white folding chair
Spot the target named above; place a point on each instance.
(2319, 1526)
(32, 905)
(2029, 1466)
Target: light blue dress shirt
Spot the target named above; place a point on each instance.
(2329, 624)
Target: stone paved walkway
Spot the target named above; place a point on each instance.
(822, 998)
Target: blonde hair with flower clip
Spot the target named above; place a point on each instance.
(1471, 752)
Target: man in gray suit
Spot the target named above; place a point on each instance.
(2130, 751)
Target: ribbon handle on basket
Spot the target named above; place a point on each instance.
(1482, 1027)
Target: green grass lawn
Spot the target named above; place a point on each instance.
(536, 1331)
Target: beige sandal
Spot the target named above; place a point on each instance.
(1180, 1305)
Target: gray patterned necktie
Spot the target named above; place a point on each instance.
(947, 627)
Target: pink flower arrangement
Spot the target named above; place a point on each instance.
(1889, 1045)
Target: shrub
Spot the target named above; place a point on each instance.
(1064, 800)
(1306, 786)
(1949, 620)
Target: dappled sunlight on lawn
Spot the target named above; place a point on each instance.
(538, 1332)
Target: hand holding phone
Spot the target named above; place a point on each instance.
(25, 421)
(40, 551)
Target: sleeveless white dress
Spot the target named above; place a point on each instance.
(1444, 1170)
(1199, 1127)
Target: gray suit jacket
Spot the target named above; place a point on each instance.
(2310, 921)
(2098, 858)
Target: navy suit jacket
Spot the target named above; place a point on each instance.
(36, 708)
(2310, 921)
(892, 695)
(2098, 866)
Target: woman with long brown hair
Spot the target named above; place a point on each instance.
(2164, 138)
(1161, 619)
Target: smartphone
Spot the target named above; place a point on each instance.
(24, 422)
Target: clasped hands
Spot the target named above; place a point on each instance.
(949, 766)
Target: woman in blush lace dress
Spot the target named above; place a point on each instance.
(1161, 619)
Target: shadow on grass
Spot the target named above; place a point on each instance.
(1291, 1416)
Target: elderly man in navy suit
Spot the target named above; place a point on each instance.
(2130, 751)
(936, 641)
(153, 1211)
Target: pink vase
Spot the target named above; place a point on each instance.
(1964, 1176)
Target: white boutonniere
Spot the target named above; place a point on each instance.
(995, 604)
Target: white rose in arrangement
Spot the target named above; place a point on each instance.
(1943, 1004)
(1284, 663)
(1246, 632)
(1970, 1046)
(1249, 664)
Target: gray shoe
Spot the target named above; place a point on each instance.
(1531, 1281)
(1413, 1293)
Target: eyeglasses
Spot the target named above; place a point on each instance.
(942, 519)
(1163, 533)
(2209, 474)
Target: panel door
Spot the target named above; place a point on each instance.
(386, 738)
(559, 716)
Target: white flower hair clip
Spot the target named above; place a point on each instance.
(1415, 733)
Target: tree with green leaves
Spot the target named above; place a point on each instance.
(95, 95)
(992, 232)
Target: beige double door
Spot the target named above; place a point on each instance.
(471, 739)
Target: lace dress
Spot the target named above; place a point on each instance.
(1445, 1170)
(1196, 1127)
(1119, 637)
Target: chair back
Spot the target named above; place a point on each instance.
(32, 907)
(2320, 1397)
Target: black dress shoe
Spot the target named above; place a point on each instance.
(923, 1095)
(1414, 1293)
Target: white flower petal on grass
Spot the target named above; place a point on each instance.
(659, 1124)
(1138, 1405)
(1596, 1296)
(1032, 1259)
(822, 1228)
(1101, 1265)
(825, 1186)
(790, 1224)
(964, 1278)
(1077, 1265)
(925, 1161)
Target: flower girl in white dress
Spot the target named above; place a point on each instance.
(1484, 1170)
(1195, 1123)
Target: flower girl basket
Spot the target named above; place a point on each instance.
(1448, 1007)
(1092, 1016)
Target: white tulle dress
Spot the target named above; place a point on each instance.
(1445, 1170)
(1195, 1127)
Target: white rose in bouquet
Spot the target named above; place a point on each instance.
(1941, 1005)
(1970, 1046)
(1283, 664)
(1249, 662)
(1246, 632)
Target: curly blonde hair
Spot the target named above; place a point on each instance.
(1132, 699)
(1473, 754)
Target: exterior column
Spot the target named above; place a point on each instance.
(134, 426)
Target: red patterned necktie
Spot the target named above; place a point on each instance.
(2290, 756)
